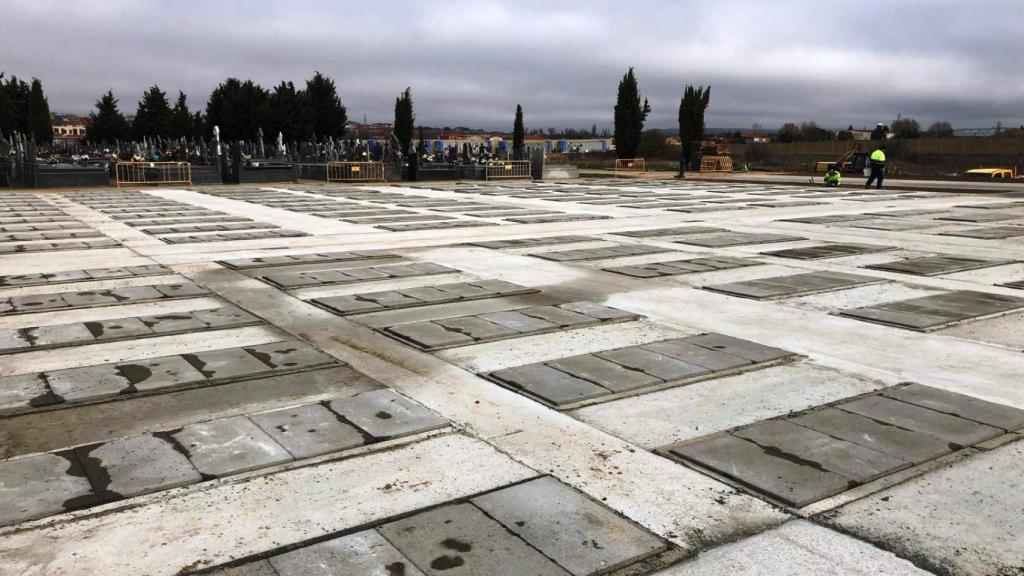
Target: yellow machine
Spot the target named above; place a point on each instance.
(992, 172)
(845, 162)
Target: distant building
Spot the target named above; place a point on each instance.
(68, 127)
(755, 137)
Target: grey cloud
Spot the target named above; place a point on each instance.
(470, 62)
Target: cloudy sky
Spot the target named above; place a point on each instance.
(470, 62)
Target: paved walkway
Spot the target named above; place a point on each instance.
(592, 377)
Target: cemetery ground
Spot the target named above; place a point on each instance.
(592, 377)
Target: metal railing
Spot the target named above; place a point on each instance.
(507, 169)
(630, 167)
(132, 173)
(338, 171)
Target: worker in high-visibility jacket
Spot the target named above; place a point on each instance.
(833, 178)
(877, 167)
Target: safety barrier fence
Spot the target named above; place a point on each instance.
(338, 171)
(507, 169)
(133, 173)
(630, 167)
(715, 164)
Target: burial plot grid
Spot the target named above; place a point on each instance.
(929, 313)
(41, 485)
(29, 224)
(489, 327)
(91, 298)
(806, 457)
(549, 528)
(576, 381)
(186, 224)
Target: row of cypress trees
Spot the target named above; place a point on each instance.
(24, 108)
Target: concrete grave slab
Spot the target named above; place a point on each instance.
(24, 391)
(362, 553)
(290, 354)
(1005, 417)
(157, 373)
(910, 417)
(793, 285)
(828, 251)
(384, 414)
(908, 445)
(790, 480)
(459, 540)
(41, 485)
(136, 465)
(725, 239)
(307, 431)
(226, 363)
(936, 265)
(88, 383)
(59, 334)
(229, 446)
(936, 311)
(580, 535)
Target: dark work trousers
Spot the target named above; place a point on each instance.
(877, 173)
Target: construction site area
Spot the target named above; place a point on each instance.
(727, 374)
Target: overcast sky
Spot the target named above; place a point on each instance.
(470, 62)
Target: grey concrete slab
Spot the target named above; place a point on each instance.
(1006, 417)
(526, 242)
(555, 386)
(459, 540)
(226, 363)
(157, 373)
(676, 231)
(787, 440)
(307, 431)
(385, 414)
(38, 302)
(793, 285)
(580, 535)
(477, 328)
(11, 340)
(908, 445)
(888, 224)
(229, 446)
(519, 322)
(987, 233)
(738, 347)
(136, 465)
(137, 293)
(170, 323)
(658, 365)
(180, 290)
(605, 373)
(59, 334)
(24, 391)
(936, 265)
(725, 239)
(41, 485)
(88, 383)
(834, 250)
(560, 316)
(258, 568)
(928, 312)
(961, 520)
(598, 311)
(118, 328)
(290, 354)
(364, 553)
(983, 216)
(911, 417)
(429, 335)
(790, 480)
(713, 360)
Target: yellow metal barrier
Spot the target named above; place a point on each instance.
(715, 164)
(338, 171)
(630, 167)
(153, 173)
(507, 169)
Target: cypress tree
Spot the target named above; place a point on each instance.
(691, 122)
(40, 123)
(290, 113)
(518, 136)
(326, 112)
(153, 116)
(239, 108)
(630, 114)
(14, 106)
(405, 120)
(106, 124)
(181, 119)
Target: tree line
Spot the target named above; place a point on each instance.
(24, 109)
(904, 128)
(240, 110)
